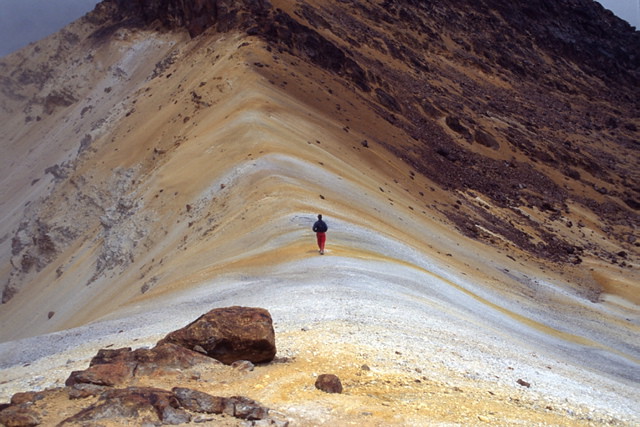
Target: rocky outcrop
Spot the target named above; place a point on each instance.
(229, 334)
(235, 406)
(196, 16)
(225, 334)
(153, 405)
(255, 17)
(115, 367)
(146, 404)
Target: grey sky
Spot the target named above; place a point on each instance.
(26, 21)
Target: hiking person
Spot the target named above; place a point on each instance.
(320, 228)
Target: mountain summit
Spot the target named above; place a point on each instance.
(476, 161)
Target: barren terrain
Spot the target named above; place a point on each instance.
(482, 260)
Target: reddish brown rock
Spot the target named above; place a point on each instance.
(109, 374)
(329, 383)
(27, 397)
(169, 355)
(83, 390)
(236, 406)
(245, 408)
(230, 334)
(145, 404)
(19, 416)
(115, 367)
(106, 356)
(198, 401)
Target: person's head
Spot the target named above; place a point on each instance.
(319, 216)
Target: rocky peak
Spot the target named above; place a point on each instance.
(195, 15)
(577, 30)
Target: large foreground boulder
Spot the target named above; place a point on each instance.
(229, 334)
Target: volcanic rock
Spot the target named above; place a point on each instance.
(115, 367)
(198, 401)
(140, 403)
(236, 406)
(329, 383)
(27, 397)
(230, 334)
(245, 408)
(19, 416)
(83, 390)
(108, 374)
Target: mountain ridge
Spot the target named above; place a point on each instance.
(499, 156)
(154, 167)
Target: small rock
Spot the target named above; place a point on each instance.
(329, 383)
(174, 416)
(199, 349)
(245, 408)
(81, 391)
(198, 401)
(523, 383)
(199, 419)
(243, 365)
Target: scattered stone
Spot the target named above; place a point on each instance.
(198, 401)
(82, 390)
(199, 419)
(483, 138)
(245, 408)
(329, 383)
(230, 334)
(175, 416)
(199, 349)
(523, 383)
(455, 125)
(243, 365)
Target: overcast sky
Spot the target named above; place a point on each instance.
(26, 21)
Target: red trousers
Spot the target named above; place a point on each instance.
(322, 238)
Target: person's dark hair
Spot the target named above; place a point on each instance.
(319, 216)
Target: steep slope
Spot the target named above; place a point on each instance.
(478, 167)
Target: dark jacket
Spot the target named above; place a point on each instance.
(320, 226)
